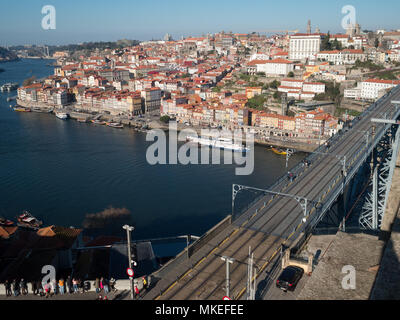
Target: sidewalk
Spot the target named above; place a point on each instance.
(119, 295)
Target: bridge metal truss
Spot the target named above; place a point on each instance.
(375, 204)
(350, 167)
(371, 144)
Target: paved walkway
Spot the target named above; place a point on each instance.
(119, 295)
(361, 251)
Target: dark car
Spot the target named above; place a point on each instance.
(289, 278)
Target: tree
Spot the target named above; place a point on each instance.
(274, 84)
(216, 89)
(277, 95)
(165, 119)
(265, 86)
(336, 45)
(326, 44)
(291, 74)
(257, 102)
(376, 43)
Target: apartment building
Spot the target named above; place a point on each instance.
(271, 68)
(151, 99)
(339, 57)
(372, 89)
(301, 90)
(304, 46)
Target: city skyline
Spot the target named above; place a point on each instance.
(101, 21)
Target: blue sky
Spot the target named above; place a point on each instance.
(89, 20)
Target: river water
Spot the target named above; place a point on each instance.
(62, 170)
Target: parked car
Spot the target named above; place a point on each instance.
(289, 278)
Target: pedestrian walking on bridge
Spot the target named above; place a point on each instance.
(24, 287)
(15, 287)
(7, 285)
(47, 290)
(61, 285)
(145, 284)
(137, 292)
(75, 285)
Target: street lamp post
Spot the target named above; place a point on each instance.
(228, 261)
(129, 229)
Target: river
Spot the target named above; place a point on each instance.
(62, 170)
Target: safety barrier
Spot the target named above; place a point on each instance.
(197, 245)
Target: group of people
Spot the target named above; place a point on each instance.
(16, 287)
(306, 163)
(70, 285)
(105, 285)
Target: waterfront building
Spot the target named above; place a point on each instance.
(151, 99)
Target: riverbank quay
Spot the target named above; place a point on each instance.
(148, 123)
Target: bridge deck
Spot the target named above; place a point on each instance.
(280, 220)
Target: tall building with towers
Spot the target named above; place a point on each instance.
(309, 27)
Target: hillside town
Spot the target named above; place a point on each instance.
(300, 86)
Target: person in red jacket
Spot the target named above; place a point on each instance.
(136, 292)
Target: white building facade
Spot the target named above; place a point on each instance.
(304, 46)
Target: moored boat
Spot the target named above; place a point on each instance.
(27, 220)
(6, 223)
(99, 122)
(62, 115)
(42, 110)
(220, 143)
(279, 151)
(115, 125)
(8, 87)
(22, 109)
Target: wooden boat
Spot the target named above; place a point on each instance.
(99, 122)
(115, 125)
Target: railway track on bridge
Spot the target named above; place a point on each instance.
(271, 225)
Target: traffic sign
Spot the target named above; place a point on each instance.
(226, 298)
(130, 272)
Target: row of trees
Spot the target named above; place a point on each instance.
(367, 65)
